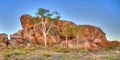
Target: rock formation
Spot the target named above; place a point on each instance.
(3, 41)
(92, 38)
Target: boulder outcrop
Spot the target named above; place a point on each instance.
(3, 41)
(25, 21)
(92, 38)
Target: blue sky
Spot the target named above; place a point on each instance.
(102, 13)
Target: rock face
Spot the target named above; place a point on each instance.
(92, 38)
(16, 38)
(59, 23)
(25, 21)
(30, 34)
(3, 41)
(95, 35)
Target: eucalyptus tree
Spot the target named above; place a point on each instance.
(66, 32)
(46, 17)
(78, 32)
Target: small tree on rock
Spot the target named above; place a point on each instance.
(66, 32)
(78, 32)
(47, 20)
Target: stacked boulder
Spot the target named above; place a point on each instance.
(94, 38)
(16, 39)
(30, 34)
(3, 41)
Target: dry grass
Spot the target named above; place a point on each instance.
(60, 53)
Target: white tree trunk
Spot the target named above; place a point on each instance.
(77, 41)
(45, 31)
(67, 41)
(45, 42)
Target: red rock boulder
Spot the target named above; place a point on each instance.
(26, 21)
(3, 41)
(3, 38)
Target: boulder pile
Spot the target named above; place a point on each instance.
(92, 38)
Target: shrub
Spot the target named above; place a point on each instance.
(63, 49)
(83, 51)
(110, 57)
(14, 51)
(47, 55)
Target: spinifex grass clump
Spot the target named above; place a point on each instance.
(16, 51)
(47, 55)
(62, 49)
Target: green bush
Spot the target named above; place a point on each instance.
(47, 55)
(110, 57)
(63, 49)
(14, 51)
(83, 51)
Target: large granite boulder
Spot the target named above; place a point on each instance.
(16, 38)
(95, 34)
(3, 38)
(26, 21)
(3, 46)
(60, 23)
(3, 41)
(17, 35)
(91, 37)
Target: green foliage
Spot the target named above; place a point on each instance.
(78, 31)
(111, 57)
(63, 53)
(45, 13)
(66, 30)
(47, 55)
(74, 31)
(14, 51)
(53, 20)
(47, 19)
(110, 48)
(81, 30)
(34, 20)
(63, 49)
(83, 51)
(54, 31)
